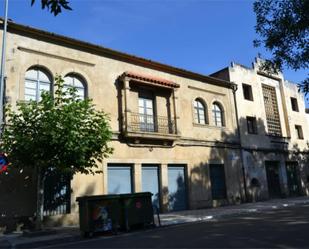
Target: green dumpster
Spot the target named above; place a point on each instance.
(99, 213)
(137, 210)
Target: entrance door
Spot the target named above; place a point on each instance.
(217, 179)
(177, 193)
(150, 182)
(293, 178)
(272, 172)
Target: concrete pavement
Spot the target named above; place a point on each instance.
(66, 234)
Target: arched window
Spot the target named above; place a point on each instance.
(36, 81)
(217, 114)
(72, 80)
(199, 112)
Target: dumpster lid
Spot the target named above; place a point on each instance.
(96, 197)
(139, 194)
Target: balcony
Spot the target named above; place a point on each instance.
(151, 127)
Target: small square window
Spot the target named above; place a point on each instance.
(294, 104)
(251, 125)
(299, 132)
(247, 90)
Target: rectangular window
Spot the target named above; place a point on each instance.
(299, 132)
(294, 104)
(271, 110)
(119, 178)
(251, 125)
(177, 188)
(247, 90)
(150, 182)
(146, 114)
(217, 180)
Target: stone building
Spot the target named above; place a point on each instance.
(273, 131)
(175, 132)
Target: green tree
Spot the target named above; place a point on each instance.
(283, 26)
(54, 6)
(58, 133)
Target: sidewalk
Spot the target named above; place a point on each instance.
(67, 234)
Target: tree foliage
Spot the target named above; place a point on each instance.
(54, 6)
(283, 26)
(58, 132)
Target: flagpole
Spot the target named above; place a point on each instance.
(2, 69)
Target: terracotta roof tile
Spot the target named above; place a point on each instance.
(151, 79)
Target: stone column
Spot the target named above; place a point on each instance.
(164, 187)
(127, 107)
(137, 178)
(175, 110)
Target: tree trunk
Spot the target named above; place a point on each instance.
(40, 200)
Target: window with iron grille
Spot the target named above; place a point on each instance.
(251, 125)
(294, 104)
(299, 132)
(57, 193)
(271, 110)
(247, 90)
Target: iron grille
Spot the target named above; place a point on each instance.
(150, 123)
(57, 194)
(271, 109)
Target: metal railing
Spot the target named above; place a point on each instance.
(150, 123)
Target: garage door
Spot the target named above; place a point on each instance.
(119, 178)
(150, 182)
(177, 188)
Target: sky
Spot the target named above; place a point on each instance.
(202, 36)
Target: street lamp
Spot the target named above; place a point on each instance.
(2, 69)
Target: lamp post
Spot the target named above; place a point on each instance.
(2, 69)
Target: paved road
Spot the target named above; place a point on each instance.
(283, 228)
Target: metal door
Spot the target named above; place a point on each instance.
(119, 179)
(177, 193)
(293, 178)
(150, 182)
(272, 172)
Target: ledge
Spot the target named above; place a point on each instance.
(151, 135)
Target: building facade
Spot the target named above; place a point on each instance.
(176, 133)
(273, 132)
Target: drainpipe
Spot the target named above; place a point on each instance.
(234, 88)
(2, 70)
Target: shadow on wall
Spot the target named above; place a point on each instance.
(302, 159)
(204, 185)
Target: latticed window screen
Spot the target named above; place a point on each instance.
(271, 109)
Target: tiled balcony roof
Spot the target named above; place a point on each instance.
(151, 79)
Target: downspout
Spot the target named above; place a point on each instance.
(234, 88)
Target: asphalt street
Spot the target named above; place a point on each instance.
(284, 228)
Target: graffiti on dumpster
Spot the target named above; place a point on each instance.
(101, 220)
